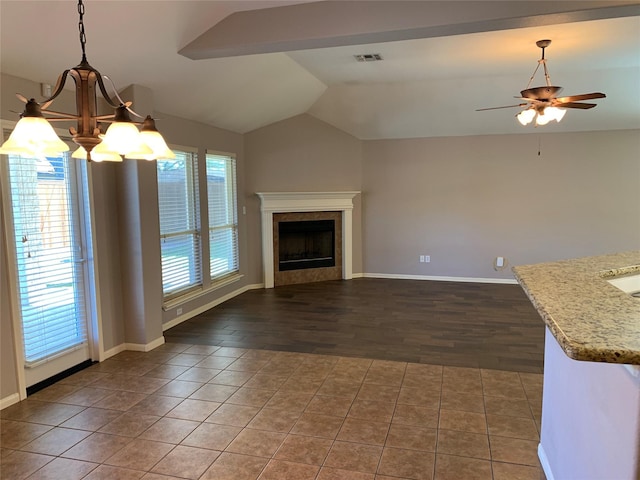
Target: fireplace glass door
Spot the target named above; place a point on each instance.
(306, 244)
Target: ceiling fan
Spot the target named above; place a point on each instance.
(543, 102)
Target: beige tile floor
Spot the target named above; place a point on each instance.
(212, 413)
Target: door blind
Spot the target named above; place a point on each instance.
(48, 256)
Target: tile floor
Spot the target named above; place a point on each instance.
(218, 413)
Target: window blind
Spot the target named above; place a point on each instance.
(223, 220)
(179, 224)
(49, 259)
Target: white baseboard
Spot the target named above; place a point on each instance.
(510, 281)
(136, 347)
(140, 347)
(113, 351)
(8, 401)
(210, 305)
(357, 275)
(544, 462)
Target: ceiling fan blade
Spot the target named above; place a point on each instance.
(577, 98)
(497, 108)
(582, 106)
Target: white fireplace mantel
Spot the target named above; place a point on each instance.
(286, 202)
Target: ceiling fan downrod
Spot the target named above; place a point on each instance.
(542, 44)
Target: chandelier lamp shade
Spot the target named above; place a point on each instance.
(34, 136)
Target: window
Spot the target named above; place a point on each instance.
(223, 219)
(198, 226)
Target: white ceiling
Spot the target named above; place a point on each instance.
(423, 87)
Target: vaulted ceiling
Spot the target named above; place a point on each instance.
(241, 65)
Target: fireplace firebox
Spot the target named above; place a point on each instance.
(306, 244)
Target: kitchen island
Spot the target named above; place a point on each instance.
(591, 395)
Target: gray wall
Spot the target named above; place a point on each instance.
(466, 200)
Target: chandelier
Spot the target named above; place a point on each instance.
(33, 135)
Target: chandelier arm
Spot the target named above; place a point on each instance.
(62, 80)
(57, 116)
(122, 102)
(57, 119)
(105, 118)
(136, 114)
(103, 89)
(111, 119)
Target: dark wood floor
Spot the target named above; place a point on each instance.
(446, 323)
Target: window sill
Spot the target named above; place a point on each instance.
(194, 294)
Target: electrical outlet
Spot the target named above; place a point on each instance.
(500, 263)
(427, 259)
(178, 311)
(421, 258)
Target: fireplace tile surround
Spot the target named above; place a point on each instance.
(301, 202)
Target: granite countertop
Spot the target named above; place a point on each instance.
(591, 319)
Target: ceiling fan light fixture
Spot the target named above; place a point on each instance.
(556, 113)
(543, 119)
(122, 135)
(549, 114)
(525, 117)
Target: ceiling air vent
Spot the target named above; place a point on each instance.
(368, 57)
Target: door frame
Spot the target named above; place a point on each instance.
(85, 209)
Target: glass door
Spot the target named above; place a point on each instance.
(49, 238)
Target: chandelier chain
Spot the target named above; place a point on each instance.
(83, 38)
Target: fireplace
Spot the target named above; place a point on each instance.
(306, 244)
(302, 209)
